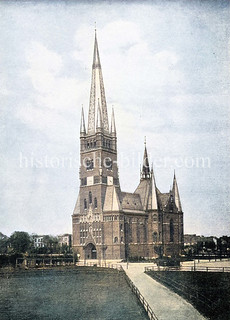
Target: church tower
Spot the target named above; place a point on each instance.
(98, 171)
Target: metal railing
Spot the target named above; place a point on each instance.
(188, 268)
(141, 298)
(135, 290)
(182, 289)
(99, 265)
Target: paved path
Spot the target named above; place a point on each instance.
(166, 304)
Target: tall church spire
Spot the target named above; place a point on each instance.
(175, 192)
(82, 128)
(145, 174)
(97, 93)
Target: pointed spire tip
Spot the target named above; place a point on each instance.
(82, 129)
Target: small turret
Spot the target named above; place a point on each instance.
(82, 128)
(175, 193)
(145, 173)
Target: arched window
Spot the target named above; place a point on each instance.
(115, 239)
(90, 197)
(171, 231)
(171, 203)
(121, 227)
(95, 202)
(155, 236)
(85, 204)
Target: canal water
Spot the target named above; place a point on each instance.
(76, 294)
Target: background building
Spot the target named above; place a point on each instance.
(38, 241)
(65, 240)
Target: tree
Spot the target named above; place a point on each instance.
(3, 243)
(51, 243)
(20, 241)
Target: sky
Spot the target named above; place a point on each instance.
(166, 72)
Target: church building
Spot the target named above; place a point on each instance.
(109, 223)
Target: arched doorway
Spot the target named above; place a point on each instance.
(90, 251)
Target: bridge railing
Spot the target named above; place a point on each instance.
(141, 298)
(134, 289)
(191, 295)
(188, 268)
(101, 264)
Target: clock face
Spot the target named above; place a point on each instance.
(108, 164)
(110, 181)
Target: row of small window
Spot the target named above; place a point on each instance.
(93, 144)
(96, 233)
(84, 234)
(136, 220)
(96, 179)
(82, 241)
(90, 201)
(94, 229)
(112, 218)
(115, 240)
(97, 240)
(84, 221)
(89, 164)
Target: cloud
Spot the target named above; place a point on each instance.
(41, 59)
(129, 65)
(53, 103)
(52, 88)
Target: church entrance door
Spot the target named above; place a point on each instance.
(90, 251)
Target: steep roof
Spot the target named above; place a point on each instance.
(77, 206)
(112, 201)
(164, 197)
(131, 201)
(143, 191)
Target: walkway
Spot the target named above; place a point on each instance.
(166, 304)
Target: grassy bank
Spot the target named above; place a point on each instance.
(209, 292)
(67, 293)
